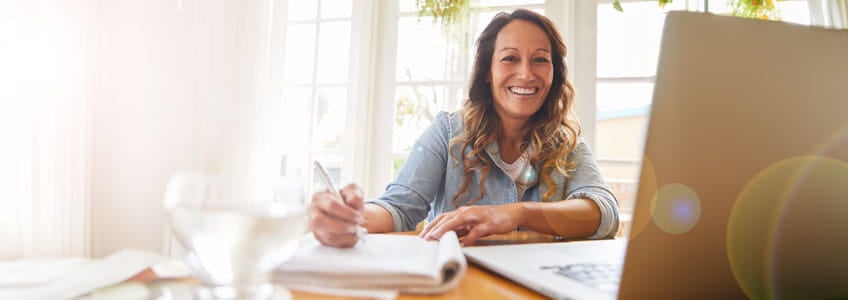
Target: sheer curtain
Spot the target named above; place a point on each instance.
(100, 101)
(182, 86)
(836, 13)
(45, 74)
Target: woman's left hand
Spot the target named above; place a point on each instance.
(474, 222)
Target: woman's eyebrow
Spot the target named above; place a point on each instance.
(516, 49)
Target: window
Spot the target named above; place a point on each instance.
(366, 106)
(316, 87)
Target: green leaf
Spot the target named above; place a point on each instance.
(617, 5)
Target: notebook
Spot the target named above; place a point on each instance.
(404, 263)
(743, 191)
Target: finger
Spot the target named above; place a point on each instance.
(326, 203)
(326, 224)
(460, 232)
(476, 233)
(352, 196)
(436, 222)
(454, 222)
(336, 240)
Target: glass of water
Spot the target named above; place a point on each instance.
(236, 230)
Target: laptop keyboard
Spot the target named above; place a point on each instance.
(602, 276)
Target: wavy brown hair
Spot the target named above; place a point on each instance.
(552, 131)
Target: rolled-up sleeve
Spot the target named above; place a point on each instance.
(586, 182)
(408, 199)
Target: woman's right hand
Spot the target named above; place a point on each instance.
(334, 222)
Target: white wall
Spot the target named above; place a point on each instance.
(142, 119)
(181, 85)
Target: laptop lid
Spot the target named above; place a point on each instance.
(744, 185)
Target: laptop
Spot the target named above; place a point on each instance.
(743, 191)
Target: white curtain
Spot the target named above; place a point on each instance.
(100, 101)
(236, 127)
(45, 74)
(836, 13)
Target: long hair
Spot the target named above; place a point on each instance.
(552, 131)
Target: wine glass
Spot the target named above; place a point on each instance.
(236, 230)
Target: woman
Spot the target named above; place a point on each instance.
(510, 158)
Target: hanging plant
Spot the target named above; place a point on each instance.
(755, 9)
(449, 13)
(617, 4)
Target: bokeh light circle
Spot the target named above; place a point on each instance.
(784, 234)
(675, 208)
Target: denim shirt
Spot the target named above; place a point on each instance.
(428, 181)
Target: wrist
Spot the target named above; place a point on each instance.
(520, 213)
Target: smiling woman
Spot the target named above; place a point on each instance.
(510, 158)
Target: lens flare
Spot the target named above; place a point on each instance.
(784, 234)
(675, 208)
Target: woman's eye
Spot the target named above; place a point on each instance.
(541, 60)
(509, 59)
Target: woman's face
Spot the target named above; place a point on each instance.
(522, 71)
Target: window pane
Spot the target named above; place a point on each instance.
(407, 6)
(620, 135)
(629, 41)
(333, 55)
(300, 10)
(336, 8)
(424, 52)
(330, 118)
(613, 97)
(300, 54)
(795, 12)
(294, 113)
(415, 108)
(622, 116)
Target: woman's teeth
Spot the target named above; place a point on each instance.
(522, 91)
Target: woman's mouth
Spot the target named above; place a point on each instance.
(523, 91)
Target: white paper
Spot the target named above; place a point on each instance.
(66, 278)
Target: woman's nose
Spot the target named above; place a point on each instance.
(524, 71)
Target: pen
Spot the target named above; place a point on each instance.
(325, 177)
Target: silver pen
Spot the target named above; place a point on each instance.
(325, 177)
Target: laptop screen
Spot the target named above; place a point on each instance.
(743, 191)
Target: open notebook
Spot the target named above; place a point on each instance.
(405, 263)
